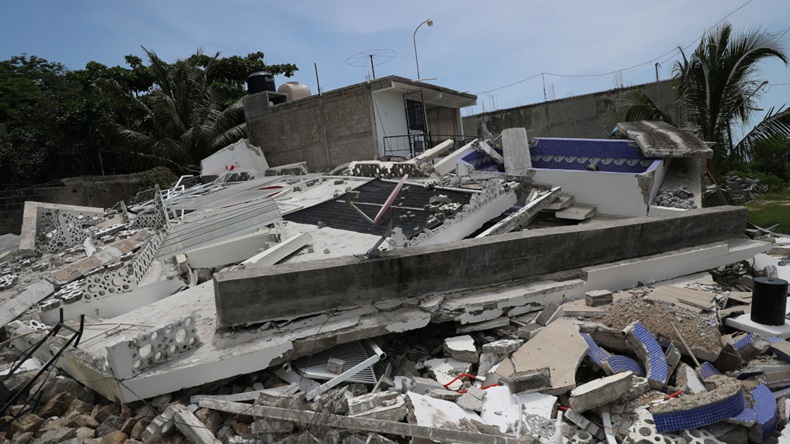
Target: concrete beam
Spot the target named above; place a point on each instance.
(307, 418)
(289, 290)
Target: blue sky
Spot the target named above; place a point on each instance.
(473, 46)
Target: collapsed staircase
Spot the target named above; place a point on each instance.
(564, 207)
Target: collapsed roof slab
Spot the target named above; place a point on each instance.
(285, 291)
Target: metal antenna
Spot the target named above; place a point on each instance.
(371, 57)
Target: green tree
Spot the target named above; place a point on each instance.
(718, 86)
(193, 109)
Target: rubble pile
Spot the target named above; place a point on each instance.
(743, 189)
(675, 198)
(285, 306)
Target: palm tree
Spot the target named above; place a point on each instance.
(182, 120)
(718, 86)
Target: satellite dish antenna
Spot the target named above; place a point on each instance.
(383, 214)
(372, 57)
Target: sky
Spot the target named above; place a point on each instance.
(495, 49)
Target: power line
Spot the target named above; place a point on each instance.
(671, 54)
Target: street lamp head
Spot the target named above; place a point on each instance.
(429, 22)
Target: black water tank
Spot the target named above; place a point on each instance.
(769, 301)
(260, 81)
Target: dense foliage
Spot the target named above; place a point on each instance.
(56, 122)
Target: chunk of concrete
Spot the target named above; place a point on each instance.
(597, 298)
(472, 399)
(388, 406)
(461, 348)
(550, 313)
(515, 147)
(600, 391)
(280, 251)
(191, 427)
(529, 381)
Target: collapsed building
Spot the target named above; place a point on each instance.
(498, 289)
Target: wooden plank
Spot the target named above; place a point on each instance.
(559, 346)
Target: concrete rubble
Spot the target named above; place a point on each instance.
(500, 303)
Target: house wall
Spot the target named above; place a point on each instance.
(444, 121)
(390, 116)
(326, 130)
(588, 116)
(616, 194)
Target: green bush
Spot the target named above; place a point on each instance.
(162, 176)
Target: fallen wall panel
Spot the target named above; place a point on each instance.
(292, 290)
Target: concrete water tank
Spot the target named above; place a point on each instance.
(294, 90)
(260, 81)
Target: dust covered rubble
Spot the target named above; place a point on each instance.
(636, 368)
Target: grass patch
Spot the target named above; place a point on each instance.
(771, 209)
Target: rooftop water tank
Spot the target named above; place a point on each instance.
(294, 90)
(260, 81)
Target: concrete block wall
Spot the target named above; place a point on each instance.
(290, 290)
(586, 116)
(326, 130)
(95, 191)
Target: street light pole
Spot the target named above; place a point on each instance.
(429, 22)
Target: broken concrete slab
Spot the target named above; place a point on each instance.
(229, 251)
(461, 348)
(280, 251)
(257, 295)
(576, 211)
(690, 299)
(515, 147)
(552, 312)
(523, 216)
(559, 346)
(600, 392)
(631, 273)
(110, 254)
(504, 410)
(306, 418)
(11, 308)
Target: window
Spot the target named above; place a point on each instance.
(415, 115)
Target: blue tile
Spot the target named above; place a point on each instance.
(700, 416)
(765, 409)
(707, 370)
(625, 364)
(657, 369)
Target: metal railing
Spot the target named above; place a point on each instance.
(411, 145)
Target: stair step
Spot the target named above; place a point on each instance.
(561, 202)
(576, 212)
